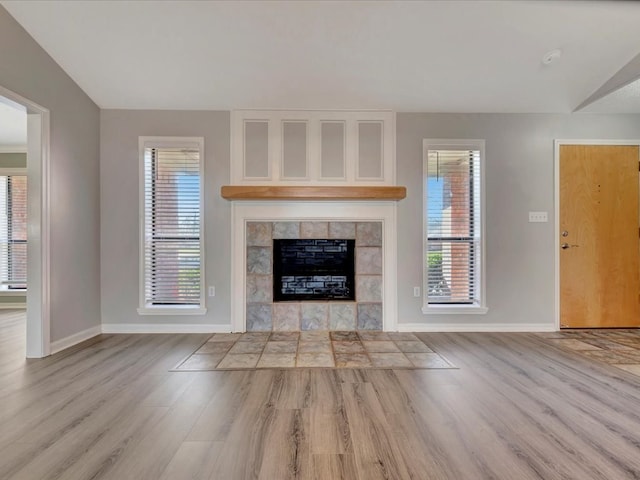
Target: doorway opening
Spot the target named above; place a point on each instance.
(24, 207)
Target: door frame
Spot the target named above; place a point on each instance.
(556, 203)
(38, 327)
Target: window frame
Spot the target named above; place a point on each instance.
(5, 291)
(478, 306)
(146, 308)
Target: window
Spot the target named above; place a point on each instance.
(453, 231)
(171, 228)
(13, 233)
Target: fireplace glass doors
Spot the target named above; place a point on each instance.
(313, 269)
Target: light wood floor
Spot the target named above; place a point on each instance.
(518, 408)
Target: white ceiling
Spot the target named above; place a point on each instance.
(436, 56)
(13, 128)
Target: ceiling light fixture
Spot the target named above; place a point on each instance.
(551, 56)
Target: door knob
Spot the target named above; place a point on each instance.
(564, 246)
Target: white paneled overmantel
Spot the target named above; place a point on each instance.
(312, 167)
(302, 147)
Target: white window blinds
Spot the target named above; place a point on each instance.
(453, 228)
(13, 232)
(172, 226)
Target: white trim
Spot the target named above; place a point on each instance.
(43, 175)
(16, 102)
(380, 211)
(313, 118)
(556, 200)
(13, 149)
(141, 226)
(39, 248)
(74, 339)
(13, 293)
(12, 306)
(164, 328)
(454, 310)
(456, 144)
(170, 142)
(476, 327)
(172, 310)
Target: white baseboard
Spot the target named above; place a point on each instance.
(164, 328)
(74, 339)
(13, 306)
(476, 327)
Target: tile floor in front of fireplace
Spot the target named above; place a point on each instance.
(617, 347)
(314, 349)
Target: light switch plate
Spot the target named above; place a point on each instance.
(536, 217)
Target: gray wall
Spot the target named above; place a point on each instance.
(119, 134)
(26, 69)
(13, 160)
(519, 178)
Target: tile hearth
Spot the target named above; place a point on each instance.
(313, 349)
(365, 313)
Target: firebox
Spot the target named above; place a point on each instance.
(313, 269)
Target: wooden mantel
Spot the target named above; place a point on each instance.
(273, 192)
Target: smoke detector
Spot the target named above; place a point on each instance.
(551, 56)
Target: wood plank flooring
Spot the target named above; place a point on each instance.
(518, 407)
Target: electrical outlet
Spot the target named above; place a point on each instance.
(416, 291)
(212, 291)
(538, 217)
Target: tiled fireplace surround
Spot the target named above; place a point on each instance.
(262, 314)
(372, 224)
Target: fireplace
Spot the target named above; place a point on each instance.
(372, 227)
(358, 244)
(313, 269)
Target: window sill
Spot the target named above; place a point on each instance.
(454, 310)
(172, 310)
(13, 293)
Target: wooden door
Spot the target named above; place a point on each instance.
(599, 228)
